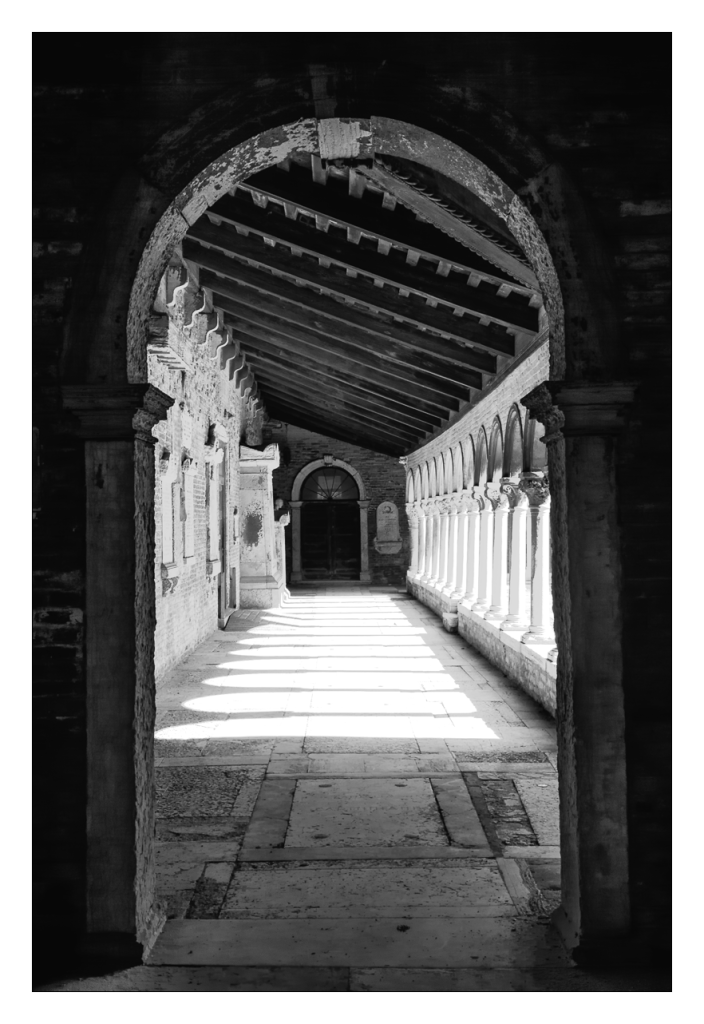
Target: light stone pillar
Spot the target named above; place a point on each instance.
(453, 533)
(541, 631)
(412, 515)
(364, 574)
(428, 554)
(296, 571)
(499, 575)
(471, 587)
(462, 548)
(435, 545)
(486, 547)
(517, 609)
(422, 526)
(444, 507)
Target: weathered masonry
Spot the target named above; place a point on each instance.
(264, 275)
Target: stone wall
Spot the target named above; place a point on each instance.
(187, 600)
(384, 480)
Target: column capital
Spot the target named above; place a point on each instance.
(105, 412)
(295, 504)
(412, 513)
(364, 503)
(578, 408)
(536, 488)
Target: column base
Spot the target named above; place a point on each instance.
(514, 624)
(448, 591)
(450, 621)
(538, 638)
(365, 577)
(496, 615)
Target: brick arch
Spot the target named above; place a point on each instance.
(425, 481)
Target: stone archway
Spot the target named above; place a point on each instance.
(297, 575)
(105, 357)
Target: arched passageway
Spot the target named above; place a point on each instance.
(595, 900)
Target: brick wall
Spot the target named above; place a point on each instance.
(384, 480)
(527, 374)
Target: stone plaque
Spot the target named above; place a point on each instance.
(388, 536)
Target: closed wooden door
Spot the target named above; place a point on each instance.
(330, 540)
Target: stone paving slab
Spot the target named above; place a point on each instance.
(385, 942)
(541, 801)
(366, 889)
(360, 812)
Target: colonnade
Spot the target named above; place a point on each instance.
(486, 549)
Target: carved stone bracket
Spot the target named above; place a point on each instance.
(578, 408)
(115, 413)
(412, 513)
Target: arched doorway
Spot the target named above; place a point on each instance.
(330, 548)
(329, 537)
(388, 138)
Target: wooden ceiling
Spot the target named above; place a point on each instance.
(370, 301)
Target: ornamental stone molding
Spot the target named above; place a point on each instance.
(579, 408)
(455, 501)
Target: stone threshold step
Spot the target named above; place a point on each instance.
(334, 942)
(342, 853)
(364, 913)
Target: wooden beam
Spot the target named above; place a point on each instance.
(297, 190)
(320, 313)
(426, 207)
(481, 300)
(384, 300)
(255, 338)
(359, 438)
(300, 386)
(341, 416)
(432, 416)
(367, 354)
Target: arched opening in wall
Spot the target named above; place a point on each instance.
(481, 462)
(246, 317)
(513, 451)
(535, 451)
(330, 543)
(496, 453)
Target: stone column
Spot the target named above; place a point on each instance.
(499, 585)
(116, 423)
(434, 541)
(452, 545)
(428, 550)
(517, 607)
(296, 572)
(486, 547)
(462, 548)
(422, 524)
(540, 631)
(471, 589)
(582, 422)
(412, 514)
(364, 574)
(262, 584)
(444, 508)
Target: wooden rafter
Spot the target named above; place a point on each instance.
(439, 280)
(204, 236)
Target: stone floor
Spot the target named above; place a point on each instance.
(351, 799)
